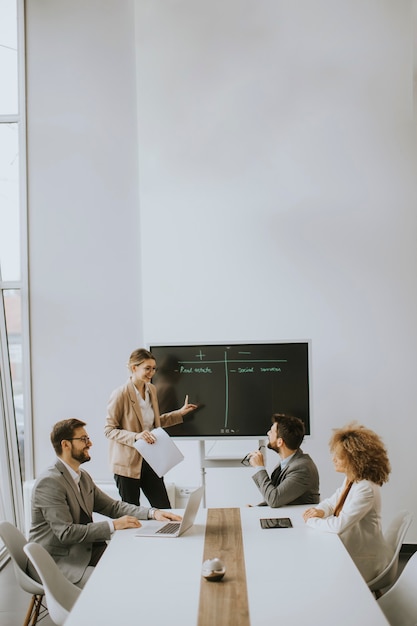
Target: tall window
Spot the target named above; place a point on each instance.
(15, 457)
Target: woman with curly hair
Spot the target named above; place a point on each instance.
(354, 510)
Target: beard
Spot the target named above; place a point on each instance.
(82, 456)
(272, 447)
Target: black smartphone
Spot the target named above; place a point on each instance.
(275, 522)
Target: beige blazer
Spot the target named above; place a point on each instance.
(124, 420)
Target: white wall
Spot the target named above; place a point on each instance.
(85, 271)
(276, 140)
(276, 201)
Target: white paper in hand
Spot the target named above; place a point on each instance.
(162, 455)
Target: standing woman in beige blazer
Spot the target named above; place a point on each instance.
(132, 413)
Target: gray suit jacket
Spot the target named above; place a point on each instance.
(56, 510)
(298, 483)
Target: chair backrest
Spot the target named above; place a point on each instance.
(394, 537)
(60, 593)
(395, 532)
(15, 541)
(400, 602)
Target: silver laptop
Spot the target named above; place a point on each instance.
(173, 529)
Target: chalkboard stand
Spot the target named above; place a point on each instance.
(207, 462)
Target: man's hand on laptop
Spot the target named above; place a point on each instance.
(163, 516)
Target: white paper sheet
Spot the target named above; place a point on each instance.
(162, 455)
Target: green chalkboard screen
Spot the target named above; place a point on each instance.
(236, 386)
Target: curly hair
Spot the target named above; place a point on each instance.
(363, 451)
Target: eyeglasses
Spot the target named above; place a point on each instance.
(84, 439)
(246, 460)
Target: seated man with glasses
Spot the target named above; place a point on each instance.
(295, 480)
(63, 501)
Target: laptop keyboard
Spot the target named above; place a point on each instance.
(168, 529)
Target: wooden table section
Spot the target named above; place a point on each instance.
(226, 601)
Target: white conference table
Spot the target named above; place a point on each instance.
(294, 576)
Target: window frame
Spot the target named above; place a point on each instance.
(11, 485)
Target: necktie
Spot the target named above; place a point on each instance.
(85, 517)
(276, 475)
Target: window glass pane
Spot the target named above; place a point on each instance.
(8, 58)
(12, 99)
(9, 203)
(13, 313)
(2, 516)
(2, 511)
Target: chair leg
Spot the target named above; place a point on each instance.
(33, 611)
(29, 611)
(38, 606)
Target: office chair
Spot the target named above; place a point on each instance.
(394, 536)
(15, 541)
(60, 593)
(400, 602)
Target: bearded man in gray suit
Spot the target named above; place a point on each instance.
(64, 499)
(296, 479)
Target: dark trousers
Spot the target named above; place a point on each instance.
(152, 486)
(97, 552)
(97, 547)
